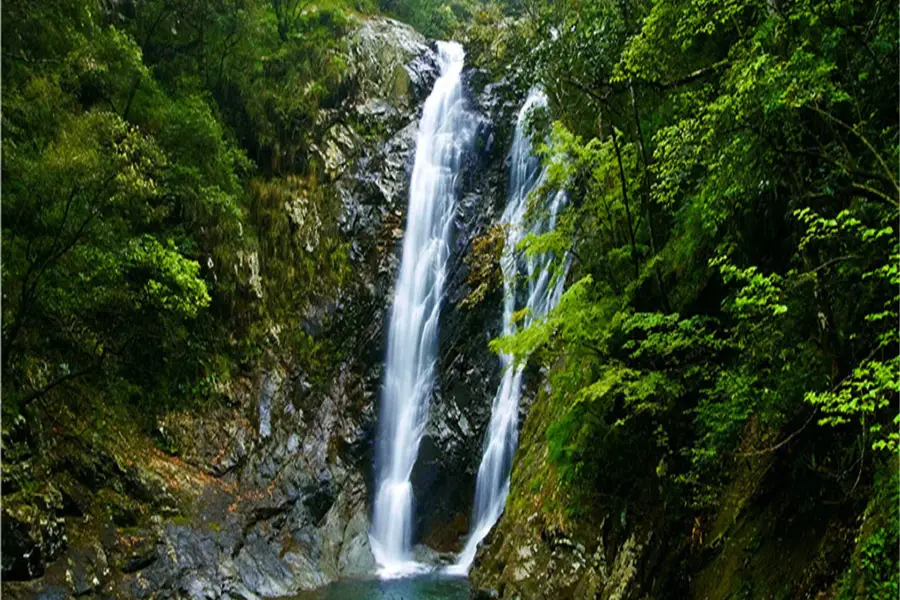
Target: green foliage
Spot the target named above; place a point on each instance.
(298, 241)
(141, 260)
(171, 282)
(734, 199)
(873, 569)
(876, 566)
(439, 19)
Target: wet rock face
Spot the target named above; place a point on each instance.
(218, 444)
(374, 196)
(527, 562)
(292, 516)
(270, 494)
(391, 66)
(469, 372)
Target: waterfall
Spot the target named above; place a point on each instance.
(492, 485)
(444, 131)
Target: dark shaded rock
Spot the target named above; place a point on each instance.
(141, 558)
(124, 511)
(22, 557)
(52, 593)
(448, 536)
(217, 443)
(32, 537)
(87, 568)
(133, 551)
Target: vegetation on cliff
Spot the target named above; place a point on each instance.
(733, 228)
(150, 150)
(167, 216)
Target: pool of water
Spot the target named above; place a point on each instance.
(425, 587)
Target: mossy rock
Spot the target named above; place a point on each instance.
(134, 549)
(122, 510)
(33, 535)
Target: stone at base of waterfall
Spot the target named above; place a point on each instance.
(305, 574)
(356, 557)
(345, 549)
(429, 556)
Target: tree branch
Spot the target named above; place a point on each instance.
(64, 379)
(689, 78)
(890, 174)
(784, 441)
(617, 86)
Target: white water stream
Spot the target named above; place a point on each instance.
(444, 131)
(492, 486)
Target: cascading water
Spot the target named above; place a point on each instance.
(492, 485)
(444, 131)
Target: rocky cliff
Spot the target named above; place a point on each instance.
(268, 493)
(765, 539)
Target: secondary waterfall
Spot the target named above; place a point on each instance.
(444, 131)
(492, 485)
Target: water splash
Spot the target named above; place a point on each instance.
(492, 486)
(444, 131)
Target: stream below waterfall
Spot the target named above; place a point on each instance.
(423, 587)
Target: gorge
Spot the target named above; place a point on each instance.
(598, 301)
